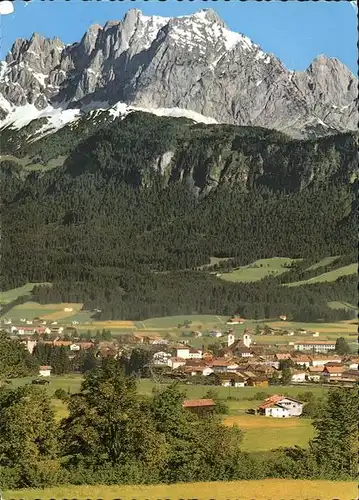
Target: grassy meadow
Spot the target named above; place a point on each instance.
(10, 295)
(266, 433)
(259, 269)
(72, 384)
(329, 276)
(268, 489)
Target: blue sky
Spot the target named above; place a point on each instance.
(294, 31)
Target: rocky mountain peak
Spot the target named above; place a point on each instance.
(191, 62)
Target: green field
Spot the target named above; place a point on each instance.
(10, 295)
(266, 433)
(49, 312)
(329, 276)
(259, 270)
(72, 384)
(205, 321)
(275, 489)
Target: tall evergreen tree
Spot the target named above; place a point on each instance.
(335, 446)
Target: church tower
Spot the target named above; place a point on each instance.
(247, 340)
(230, 339)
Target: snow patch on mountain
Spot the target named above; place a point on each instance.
(59, 117)
(23, 115)
(178, 113)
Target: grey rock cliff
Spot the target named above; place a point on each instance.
(192, 62)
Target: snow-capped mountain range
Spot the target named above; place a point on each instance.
(189, 66)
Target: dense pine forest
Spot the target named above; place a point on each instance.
(139, 206)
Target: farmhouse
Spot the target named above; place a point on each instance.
(332, 372)
(199, 405)
(45, 371)
(231, 379)
(243, 352)
(279, 406)
(22, 330)
(198, 370)
(314, 373)
(322, 361)
(195, 353)
(302, 360)
(235, 320)
(282, 356)
(257, 381)
(223, 365)
(315, 346)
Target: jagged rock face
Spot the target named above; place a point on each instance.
(192, 62)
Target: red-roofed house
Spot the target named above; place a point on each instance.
(332, 372)
(195, 353)
(314, 373)
(44, 371)
(279, 406)
(199, 405)
(223, 365)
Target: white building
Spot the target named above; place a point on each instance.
(199, 370)
(314, 373)
(280, 407)
(182, 352)
(30, 345)
(298, 376)
(161, 358)
(175, 363)
(314, 346)
(235, 321)
(22, 330)
(277, 411)
(45, 371)
(324, 361)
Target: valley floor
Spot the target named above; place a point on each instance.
(269, 489)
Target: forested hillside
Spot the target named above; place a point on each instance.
(143, 202)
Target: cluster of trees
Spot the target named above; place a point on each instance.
(58, 358)
(112, 435)
(16, 361)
